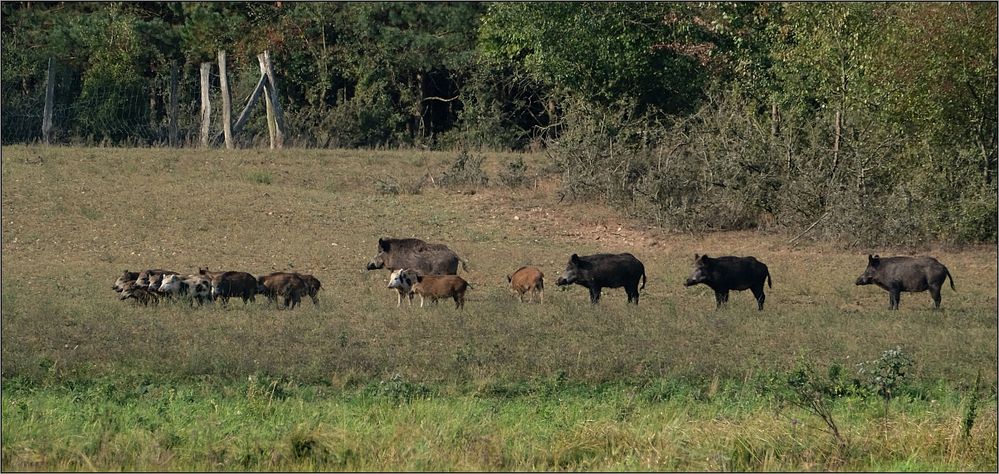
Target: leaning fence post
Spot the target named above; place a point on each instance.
(275, 116)
(206, 105)
(49, 97)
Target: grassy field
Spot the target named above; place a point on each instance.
(92, 382)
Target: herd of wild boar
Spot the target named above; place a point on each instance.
(148, 286)
(431, 271)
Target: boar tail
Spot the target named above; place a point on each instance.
(643, 280)
(770, 282)
(951, 280)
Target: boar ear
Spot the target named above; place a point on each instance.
(508, 279)
(696, 257)
(383, 244)
(574, 258)
(419, 278)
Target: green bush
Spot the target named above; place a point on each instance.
(466, 170)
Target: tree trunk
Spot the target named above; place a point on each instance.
(49, 98)
(173, 105)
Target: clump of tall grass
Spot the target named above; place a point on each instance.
(260, 177)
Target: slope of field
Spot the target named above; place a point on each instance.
(73, 219)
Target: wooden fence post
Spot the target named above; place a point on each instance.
(173, 104)
(226, 103)
(206, 105)
(49, 98)
(275, 116)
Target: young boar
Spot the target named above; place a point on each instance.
(312, 287)
(402, 281)
(723, 274)
(912, 274)
(435, 287)
(151, 279)
(528, 280)
(141, 294)
(125, 278)
(289, 286)
(197, 288)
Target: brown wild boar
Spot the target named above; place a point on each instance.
(911, 274)
(289, 286)
(436, 287)
(528, 279)
(312, 286)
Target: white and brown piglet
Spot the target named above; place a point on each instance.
(402, 281)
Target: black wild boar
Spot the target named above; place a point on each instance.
(230, 284)
(912, 274)
(604, 270)
(724, 274)
(415, 254)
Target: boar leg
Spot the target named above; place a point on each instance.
(594, 294)
(760, 297)
(721, 297)
(632, 293)
(935, 294)
(894, 295)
